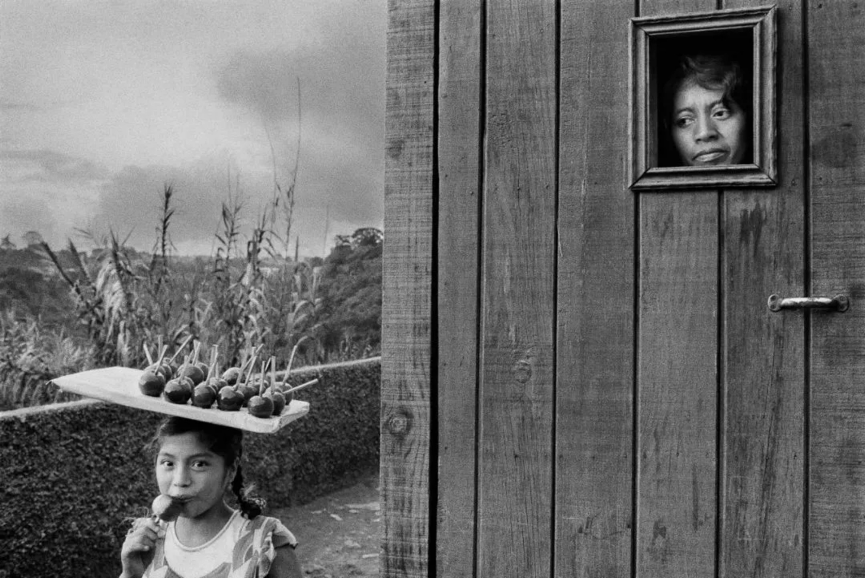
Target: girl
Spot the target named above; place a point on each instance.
(196, 464)
(706, 111)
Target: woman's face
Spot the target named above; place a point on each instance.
(188, 471)
(707, 129)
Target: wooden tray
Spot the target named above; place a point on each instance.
(120, 386)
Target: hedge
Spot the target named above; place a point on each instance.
(73, 473)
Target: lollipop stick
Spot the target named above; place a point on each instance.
(286, 375)
(249, 360)
(250, 373)
(179, 350)
(273, 373)
(147, 354)
(292, 357)
(262, 377)
(304, 385)
(212, 369)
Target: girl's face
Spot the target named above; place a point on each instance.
(187, 470)
(707, 128)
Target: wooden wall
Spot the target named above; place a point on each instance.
(579, 380)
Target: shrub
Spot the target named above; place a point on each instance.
(73, 472)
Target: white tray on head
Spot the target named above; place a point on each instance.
(120, 386)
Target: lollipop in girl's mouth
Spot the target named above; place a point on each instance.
(166, 508)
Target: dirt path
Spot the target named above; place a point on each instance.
(339, 534)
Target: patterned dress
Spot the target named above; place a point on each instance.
(243, 548)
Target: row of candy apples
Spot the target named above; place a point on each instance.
(202, 385)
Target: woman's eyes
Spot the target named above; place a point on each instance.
(166, 463)
(683, 122)
(719, 114)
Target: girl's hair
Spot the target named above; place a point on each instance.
(223, 441)
(709, 70)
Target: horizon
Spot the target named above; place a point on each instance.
(89, 249)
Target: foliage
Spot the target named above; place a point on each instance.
(33, 293)
(30, 357)
(73, 473)
(249, 294)
(350, 307)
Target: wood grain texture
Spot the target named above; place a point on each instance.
(836, 452)
(595, 287)
(407, 288)
(677, 385)
(677, 373)
(459, 241)
(515, 483)
(763, 353)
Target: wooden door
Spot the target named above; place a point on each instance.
(581, 380)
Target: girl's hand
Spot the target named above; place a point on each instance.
(137, 551)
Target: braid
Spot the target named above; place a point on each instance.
(224, 441)
(251, 506)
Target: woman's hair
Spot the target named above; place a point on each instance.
(223, 441)
(712, 71)
(709, 71)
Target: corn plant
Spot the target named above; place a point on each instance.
(158, 275)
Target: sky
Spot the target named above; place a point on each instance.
(103, 103)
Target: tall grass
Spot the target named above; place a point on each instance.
(250, 295)
(29, 358)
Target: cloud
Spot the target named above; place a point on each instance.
(98, 113)
(342, 88)
(46, 191)
(130, 203)
(261, 83)
(16, 107)
(48, 165)
(21, 213)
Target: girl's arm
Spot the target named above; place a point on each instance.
(285, 563)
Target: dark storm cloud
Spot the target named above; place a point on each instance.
(130, 203)
(48, 165)
(350, 193)
(261, 83)
(342, 114)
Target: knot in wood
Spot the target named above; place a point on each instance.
(400, 422)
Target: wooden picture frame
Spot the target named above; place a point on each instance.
(750, 31)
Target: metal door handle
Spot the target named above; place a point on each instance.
(838, 303)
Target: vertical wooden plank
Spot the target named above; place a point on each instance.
(677, 382)
(518, 290)
(836, 518)
(763, 448)
(458, 153)
(595, 287)
(677, 373)
(407, 299)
